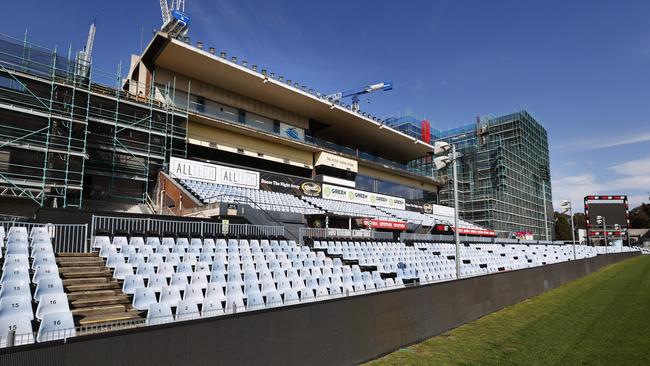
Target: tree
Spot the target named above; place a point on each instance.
(579, 220)
(562, 226)
(640, 217)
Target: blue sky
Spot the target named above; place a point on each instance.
(582, 68)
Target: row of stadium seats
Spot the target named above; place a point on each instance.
(213, 277)
(178, 278)
(271, 201)
(30, 277)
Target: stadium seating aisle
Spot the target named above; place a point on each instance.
(31, 277)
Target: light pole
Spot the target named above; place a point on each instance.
(601, 220)
(566, 205)
(441, 147)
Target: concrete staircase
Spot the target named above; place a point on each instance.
(95, 297)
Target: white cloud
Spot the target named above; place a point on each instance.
(632, 167)
(574, 188)
(602, 143)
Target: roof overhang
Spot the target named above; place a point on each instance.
(344, 126)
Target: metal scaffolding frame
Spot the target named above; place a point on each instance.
(64, 132)
(503, 166)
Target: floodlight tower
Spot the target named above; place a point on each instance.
(566, 205)
(449, 156)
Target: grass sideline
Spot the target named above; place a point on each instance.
(600, 319)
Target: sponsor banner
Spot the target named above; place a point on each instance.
(292, 132)
(464, 231)
(291, 185)
(212, 173)
(419, 206)
(384, 224)
(476, 232)
(367, 198)
(335, 161)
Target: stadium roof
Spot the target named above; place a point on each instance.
(344, 126)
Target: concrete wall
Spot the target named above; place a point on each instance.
(336, 332)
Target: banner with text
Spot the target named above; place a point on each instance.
(212, 173)
(367, 198)
(291, 185)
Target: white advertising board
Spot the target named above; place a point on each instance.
(213, 173)
(367, 198)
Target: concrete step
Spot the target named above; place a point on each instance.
(98, 310)
(92, 286)
(98, 267)
(76, 295)
(110, 317)
(100, 301)
(105, 273)
(77, 255)
(79, 262)
(86, 281)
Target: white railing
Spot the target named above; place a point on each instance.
(114, 224)
(69, 238)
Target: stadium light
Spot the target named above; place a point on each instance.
(441, 147)
(601, 220)
(566, 205)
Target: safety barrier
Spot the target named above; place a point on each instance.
(113, 225)
(69, 238)
(311, 232)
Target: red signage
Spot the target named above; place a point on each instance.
(476, 232)
(466, 231)
(384, 224)
(426, 131)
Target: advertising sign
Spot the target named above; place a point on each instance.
(212, 173)
(367, 198)
(292, 132)
(335, 161)
(290, 185)
(384, 224)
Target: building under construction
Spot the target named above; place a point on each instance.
(69, 132)
(503, 176)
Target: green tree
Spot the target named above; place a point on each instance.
(640, 217)
(579, 220)
(562, 227)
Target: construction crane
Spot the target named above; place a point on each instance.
(175, 21)
(355, 93)
(84, 57)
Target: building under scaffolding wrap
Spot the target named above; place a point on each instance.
(69, 132)
(503, 176)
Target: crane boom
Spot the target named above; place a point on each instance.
(355, 93)
(164, 9)
(84, 56)
(175, 20)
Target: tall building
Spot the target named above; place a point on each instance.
(503, 176)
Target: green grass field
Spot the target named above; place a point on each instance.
(601, 319)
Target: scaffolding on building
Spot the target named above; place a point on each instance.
(503, 179)
(69, 131)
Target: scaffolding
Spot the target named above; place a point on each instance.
(503, 176)
(69, 132)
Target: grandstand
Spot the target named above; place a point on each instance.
(262, 204)
(131, 279)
